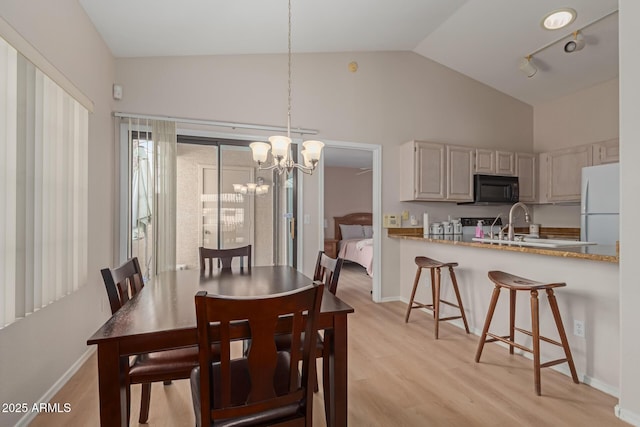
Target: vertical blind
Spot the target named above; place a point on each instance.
(43, 189)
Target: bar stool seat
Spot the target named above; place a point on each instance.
(435, 267)
(514, 284)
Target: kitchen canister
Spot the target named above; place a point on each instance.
(457, 226)
(447, 228)
(435, 228)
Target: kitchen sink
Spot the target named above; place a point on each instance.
(534, 242)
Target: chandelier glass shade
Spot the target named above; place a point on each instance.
(258, 188)
(280, 145)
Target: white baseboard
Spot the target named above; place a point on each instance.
(57, 386)
(627, 416)
(390, 299)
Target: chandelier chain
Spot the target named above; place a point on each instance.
(289, 77)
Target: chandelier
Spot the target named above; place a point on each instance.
(280, 145)
(258, 188)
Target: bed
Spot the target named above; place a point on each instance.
(354, 233)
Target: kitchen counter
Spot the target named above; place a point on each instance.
(604, 253)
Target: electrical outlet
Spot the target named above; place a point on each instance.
(578, 328)
(405, 215)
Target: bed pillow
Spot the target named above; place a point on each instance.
(355, 231)
(368, 231)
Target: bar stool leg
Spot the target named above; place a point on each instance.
(436, 300)
(487, 322)
(563, 336)
(512, 318)
(535, 333)
(413, 294)
(433, 292)
(454, 282)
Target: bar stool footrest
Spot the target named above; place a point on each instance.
(450, 318)
(553, 363)
(506, 340)
(545, 339)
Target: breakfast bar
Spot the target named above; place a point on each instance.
(591, 297)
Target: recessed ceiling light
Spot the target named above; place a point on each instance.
(558, 19)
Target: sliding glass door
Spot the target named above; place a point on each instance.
(222, 201)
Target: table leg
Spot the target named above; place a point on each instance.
(112, 385)
(335, 391)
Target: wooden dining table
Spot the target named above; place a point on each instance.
(162, 316)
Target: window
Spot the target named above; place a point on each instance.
(43, 188)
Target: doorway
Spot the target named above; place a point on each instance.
(352, 184)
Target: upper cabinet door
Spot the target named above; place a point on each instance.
(505, 163)
(565, 173)
(485, 161)
(527, 177)
(430, 171)
(422, 171)
(460, 173)
(606, 152)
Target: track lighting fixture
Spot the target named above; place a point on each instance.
(576, 44)
(526, 64)
(528, 67)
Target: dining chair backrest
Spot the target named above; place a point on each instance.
(122, 282)
(224, 257)
(264, 385)
(328, 271)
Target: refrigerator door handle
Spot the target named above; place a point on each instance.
(585, 196)
(583, 228)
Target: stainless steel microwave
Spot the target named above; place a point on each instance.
(495, 189)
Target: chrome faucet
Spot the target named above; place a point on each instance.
(510, 233)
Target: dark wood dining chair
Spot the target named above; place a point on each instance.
(122, 284)
(327, 271)
(224, 257)
(264, 387)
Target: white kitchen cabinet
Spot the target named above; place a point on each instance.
(422, 171)
(526, 168)
(459, 182)
(564, 173)
(485, 161)
(606, 152)
(505, 163)
(494, 162)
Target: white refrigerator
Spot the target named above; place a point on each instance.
(600, 204)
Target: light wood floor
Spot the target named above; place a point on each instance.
(398, 376)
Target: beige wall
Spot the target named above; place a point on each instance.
(346, 190)
(394, 97)
(630, 206)
(38, 350)
(587, 116)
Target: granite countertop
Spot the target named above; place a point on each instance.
(605, 253)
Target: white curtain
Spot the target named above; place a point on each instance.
(164, 138)
(152, 146)
(43, 189)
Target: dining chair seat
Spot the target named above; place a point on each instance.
(169, 363)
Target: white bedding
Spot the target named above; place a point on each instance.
(359, 251)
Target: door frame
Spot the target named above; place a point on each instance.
(376, 206)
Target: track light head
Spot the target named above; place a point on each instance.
(528, 67)
(576, 44)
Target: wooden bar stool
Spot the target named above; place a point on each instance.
(434, 267)
(513, 284)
